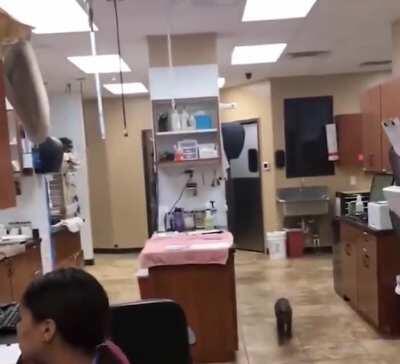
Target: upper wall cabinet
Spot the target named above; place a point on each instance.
(390, 109)
(350, 142)
(372, 130)
(378, 104)
(7, 186)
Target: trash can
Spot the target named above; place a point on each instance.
(277, 244)
(295, 243)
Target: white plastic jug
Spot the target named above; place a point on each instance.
(276, 241)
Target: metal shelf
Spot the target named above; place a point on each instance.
(187, 132)
(197, 162)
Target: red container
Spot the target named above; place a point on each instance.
(295, 243)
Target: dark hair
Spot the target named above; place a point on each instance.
(76, 302)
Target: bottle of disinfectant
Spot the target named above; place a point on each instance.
(359, 205)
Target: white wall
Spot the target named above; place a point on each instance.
(32, 206)
(172, 182)
(67, 121)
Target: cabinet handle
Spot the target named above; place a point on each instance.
(347, 249)
(365, 258)
(371, 160)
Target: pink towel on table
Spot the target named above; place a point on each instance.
(183, 249)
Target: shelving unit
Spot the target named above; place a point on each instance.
(165, 141)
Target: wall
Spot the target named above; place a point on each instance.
(32, 206)
(264, 100)
(254, 102)
(116, 175)
(396, 47)
(67, 121)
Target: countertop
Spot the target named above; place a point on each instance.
(363, 226)
(8, 251)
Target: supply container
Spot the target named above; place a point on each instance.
(277, 244)
(203, 121)
(295, 243)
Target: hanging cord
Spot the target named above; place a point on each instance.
(121, 76)
(170, 63)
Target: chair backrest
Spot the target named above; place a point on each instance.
(151, 331)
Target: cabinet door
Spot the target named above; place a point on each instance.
(5, 282)
(7, 186)
(367, 277)
(349, 128)
(372, 130)
(390, 109)
(349, 237)
(25, 268)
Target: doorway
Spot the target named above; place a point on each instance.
(244, 192)
(150, 179)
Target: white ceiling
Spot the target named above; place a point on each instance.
(354, 31)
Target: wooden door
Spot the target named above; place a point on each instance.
(349, 237)
(5, 282)
(25, 268)
(350, 142)
(367, 277)
(372, 130)
(7, 186)
(390, 109)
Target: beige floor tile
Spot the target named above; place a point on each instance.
(326, 329)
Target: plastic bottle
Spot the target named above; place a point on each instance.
(359, 205)
(209, 220)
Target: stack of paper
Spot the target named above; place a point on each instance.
(9, 354)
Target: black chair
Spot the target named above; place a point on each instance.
(151, 332)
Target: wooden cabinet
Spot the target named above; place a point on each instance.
(369, 263)
(67, 248)
(25, 268)
(350, 143)
(17, 272)
(372, 130)
(390, 109)
(367, 277)
(7, 186)
(348, 236)
(378, 104)
(5, 282)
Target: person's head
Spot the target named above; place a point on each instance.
(64, 309)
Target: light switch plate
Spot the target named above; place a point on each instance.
(266, 167)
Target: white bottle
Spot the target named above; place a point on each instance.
(185, 120)
(175, 121)
(359, 205)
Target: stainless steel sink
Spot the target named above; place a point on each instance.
(304, 201)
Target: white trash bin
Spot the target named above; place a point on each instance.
(276, 241)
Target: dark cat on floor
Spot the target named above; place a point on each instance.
(283, 313)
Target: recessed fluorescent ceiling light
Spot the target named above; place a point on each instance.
(221, 82)
(264, 53)
(129, 88)
(256, 10)
(107, 63)
(49, 16)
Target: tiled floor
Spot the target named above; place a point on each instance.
(326, 330)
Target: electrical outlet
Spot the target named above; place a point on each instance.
(353, 180)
